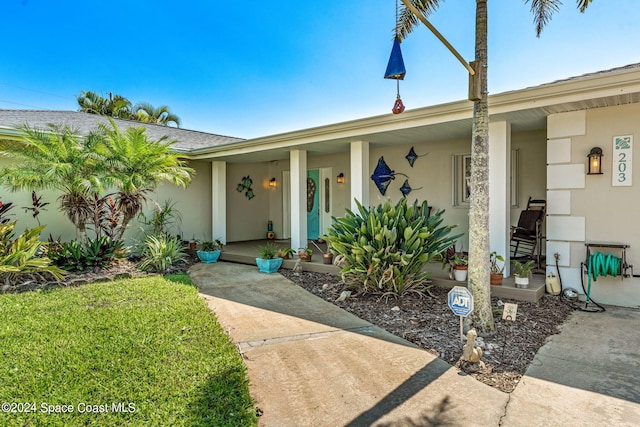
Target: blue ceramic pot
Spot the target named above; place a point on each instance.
(269, 265)
(207, 257)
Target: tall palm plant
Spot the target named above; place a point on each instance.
(55, 158)
(543, 10)
(113, 106)
(136, 165)
(145, 112)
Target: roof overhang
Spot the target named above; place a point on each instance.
(525, 109)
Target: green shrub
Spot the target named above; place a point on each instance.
(161, 219)
(22, 255)
(384, 249)
(160, 252)
(94, 253)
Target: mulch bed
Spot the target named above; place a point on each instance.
(428, 322)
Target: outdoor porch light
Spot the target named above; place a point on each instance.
(595, 161)
(340, 178)
(273, 183)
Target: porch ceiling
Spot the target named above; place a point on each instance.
(525, 120)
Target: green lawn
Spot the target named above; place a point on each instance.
(148, 346)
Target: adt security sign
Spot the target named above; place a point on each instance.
(460, 301)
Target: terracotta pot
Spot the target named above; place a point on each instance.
(304, 256)
(496, 279)
(327, 258)
(284, 256)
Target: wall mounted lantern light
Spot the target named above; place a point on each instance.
(595, 161)
(273, 183)
(340, 178)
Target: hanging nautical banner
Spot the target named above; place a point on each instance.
(395, 68)
(622, 161)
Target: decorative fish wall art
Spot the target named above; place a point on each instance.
(412, 156)
(383, 175)
(406, 188)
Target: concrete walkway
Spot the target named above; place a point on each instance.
(312, 364)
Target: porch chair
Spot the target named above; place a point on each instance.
(526, 237)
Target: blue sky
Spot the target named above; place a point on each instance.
(255, 68)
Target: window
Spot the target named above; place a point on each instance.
(461, 179)
(461, 191)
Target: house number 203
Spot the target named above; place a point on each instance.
(622, 160)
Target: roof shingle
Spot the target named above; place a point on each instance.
(83, 123)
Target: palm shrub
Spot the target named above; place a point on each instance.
(137, 166)
(161, 251)
(56, 158)
(22, 254)
(383, 249)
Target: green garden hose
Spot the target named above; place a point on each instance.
(600, 264)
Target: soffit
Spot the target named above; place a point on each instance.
(523, 120)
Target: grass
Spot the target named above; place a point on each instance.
(150, 346)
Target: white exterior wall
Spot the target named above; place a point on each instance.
(587, 208)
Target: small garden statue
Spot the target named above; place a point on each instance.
(471, 354)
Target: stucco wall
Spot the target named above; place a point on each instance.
(532, 167)
(247, 219)
(193, 203)
(588, 208)
(56, 223)
(432, 172)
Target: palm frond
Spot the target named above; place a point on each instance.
(542, 11)
(583, 4)
(407, 21)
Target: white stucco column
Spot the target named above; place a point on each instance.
(298, 167)
(499, 189)
(219, 201)
(359, 173)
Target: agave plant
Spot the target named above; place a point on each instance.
(384, 249)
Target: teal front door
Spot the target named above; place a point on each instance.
(313, 208)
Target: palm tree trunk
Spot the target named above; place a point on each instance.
(482, 316)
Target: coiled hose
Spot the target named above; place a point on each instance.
(599, 265)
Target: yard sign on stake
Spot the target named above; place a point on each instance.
(510, 311)
(460, 301)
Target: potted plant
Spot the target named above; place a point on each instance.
(327, 257)
(268, 260)
(496, 271)
(285, 253)
(457, 263)
(209, 251)
(521, 272)
(193, 243)
(460, 267)
(305, 254)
